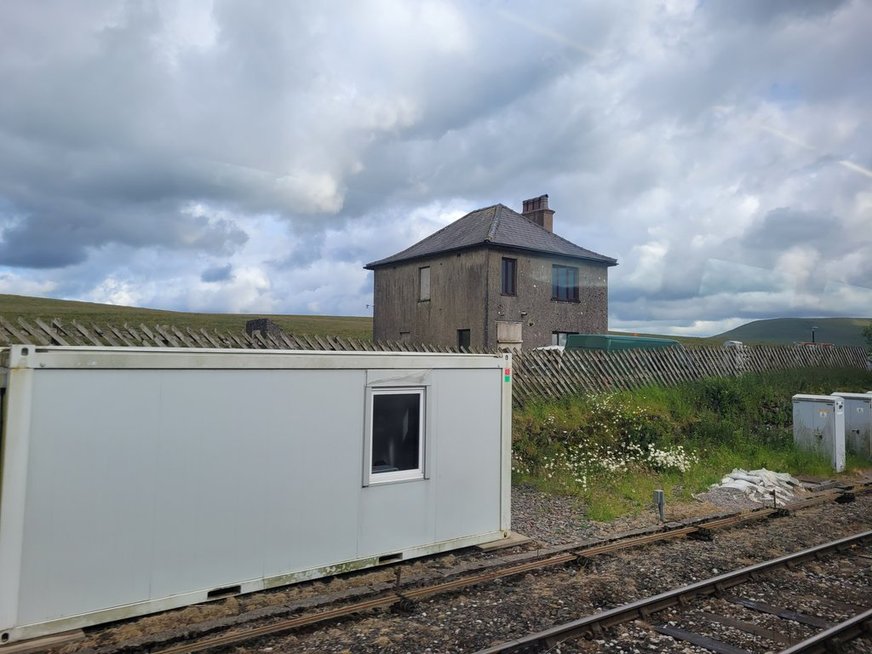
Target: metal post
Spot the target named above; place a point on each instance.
(660, 503)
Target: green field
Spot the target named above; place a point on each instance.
(783, 331)
(15, 306)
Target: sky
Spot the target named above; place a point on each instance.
(252, 156)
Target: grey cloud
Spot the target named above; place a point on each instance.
(54, 248)
(863, 275)
(756, 12)
(783, 228)
(501, 153)
(107, 132)
(738, 54)
(304, 253)
(217, 273)
(712, 133)
(60, 234)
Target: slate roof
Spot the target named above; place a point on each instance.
(497, 226)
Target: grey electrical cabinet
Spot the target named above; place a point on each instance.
(136, 480)
(858, 423)
(819, 426)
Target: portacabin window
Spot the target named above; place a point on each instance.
(564, 283)
(424, 283)
(396, 434)
(509, 276)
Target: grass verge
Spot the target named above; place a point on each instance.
(613, 451)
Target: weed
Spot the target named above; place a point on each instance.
(613, 450)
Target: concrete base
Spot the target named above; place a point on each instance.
(512, 540)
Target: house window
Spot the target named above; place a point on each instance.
(463, 338)
(564, 283)
(559, 338)
(396, 433)
(424, 283)
(509, 277)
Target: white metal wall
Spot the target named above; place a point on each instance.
(147, 488)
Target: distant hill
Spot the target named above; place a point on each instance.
(15, 306)
(838, 331)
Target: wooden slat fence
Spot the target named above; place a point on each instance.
(553, 374)
(537, 373)
(55, 332)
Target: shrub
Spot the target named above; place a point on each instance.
(679, 438)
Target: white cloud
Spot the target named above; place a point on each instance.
(18, 285)
(117, 291)
(248, 291)
(724, 161)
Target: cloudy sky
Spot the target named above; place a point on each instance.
(252, 156)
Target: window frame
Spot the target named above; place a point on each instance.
(510, 288)
(371, 478)
(557, 285)
(421, 275)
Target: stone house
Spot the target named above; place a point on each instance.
(492, 279)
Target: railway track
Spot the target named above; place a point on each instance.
(691, 601)
(404, 598)
(244, 629)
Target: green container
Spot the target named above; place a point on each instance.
(610, 343)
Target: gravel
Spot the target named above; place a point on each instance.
(555, 520)
(477, 617)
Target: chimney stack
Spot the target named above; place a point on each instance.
(536, 210)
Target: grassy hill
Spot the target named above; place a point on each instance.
(839, 331)
(13, 306)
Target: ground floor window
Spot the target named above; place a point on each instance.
(396, 434)
(463, 338)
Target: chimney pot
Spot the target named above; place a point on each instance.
(536, 210)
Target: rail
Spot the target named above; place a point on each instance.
(593, 624)
(488, 572)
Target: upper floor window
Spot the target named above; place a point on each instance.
(424, 283)
(564, 283)
(509, 277)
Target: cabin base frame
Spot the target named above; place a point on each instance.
(27, 632)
